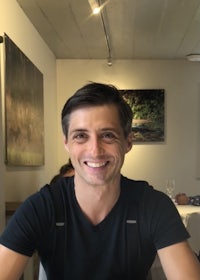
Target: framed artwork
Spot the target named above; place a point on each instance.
(24, 109)
(149, 114)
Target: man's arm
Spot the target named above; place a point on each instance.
(12, 264)
(179, 262)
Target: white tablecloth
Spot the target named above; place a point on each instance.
(187, 209)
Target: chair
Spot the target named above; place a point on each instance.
(42, 273)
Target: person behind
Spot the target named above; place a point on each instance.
(66, 170)
(110, 227)
(183, 199)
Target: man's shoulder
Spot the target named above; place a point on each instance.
(45, 197)
(135, 189)
(58, 186)
(135, 184)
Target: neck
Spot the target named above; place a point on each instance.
(97, 201)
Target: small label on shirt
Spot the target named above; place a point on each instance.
(60, 224)
(131, 221)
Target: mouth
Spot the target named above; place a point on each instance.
(96, 164)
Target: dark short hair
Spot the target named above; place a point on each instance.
(97, 94)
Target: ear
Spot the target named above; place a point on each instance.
(129, 140)
(66, 144)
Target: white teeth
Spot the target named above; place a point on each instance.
(96, 164)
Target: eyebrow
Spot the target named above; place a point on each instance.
(77, 130)
(87, 130)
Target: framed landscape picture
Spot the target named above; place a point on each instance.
(149, 114)
(24, 109)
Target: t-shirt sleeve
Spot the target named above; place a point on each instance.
(164, 222)
(30, 224)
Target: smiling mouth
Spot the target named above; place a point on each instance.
(96, 164)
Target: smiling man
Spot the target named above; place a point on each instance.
(98, 225)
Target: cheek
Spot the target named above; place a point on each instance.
(74, 150)
(119, 151)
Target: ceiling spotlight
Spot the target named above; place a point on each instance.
(193, 57)
(94, 6)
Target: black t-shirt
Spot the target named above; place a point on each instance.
(123, 246)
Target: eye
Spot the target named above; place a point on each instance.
(80, 137)
(108, 137)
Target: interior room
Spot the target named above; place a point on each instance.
(137, 45)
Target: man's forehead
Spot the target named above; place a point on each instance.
(89, 111)
(101, 118)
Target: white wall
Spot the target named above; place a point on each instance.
(18, 183)
(177, 157)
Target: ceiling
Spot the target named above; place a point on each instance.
(135, 29)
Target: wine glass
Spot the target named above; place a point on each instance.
(170, 187)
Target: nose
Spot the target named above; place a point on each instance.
(96, 146)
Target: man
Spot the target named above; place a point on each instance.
(112, 226)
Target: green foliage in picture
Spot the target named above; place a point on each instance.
(149, 114)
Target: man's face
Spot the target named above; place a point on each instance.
(96, 144)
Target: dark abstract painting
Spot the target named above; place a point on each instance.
(24, 112)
